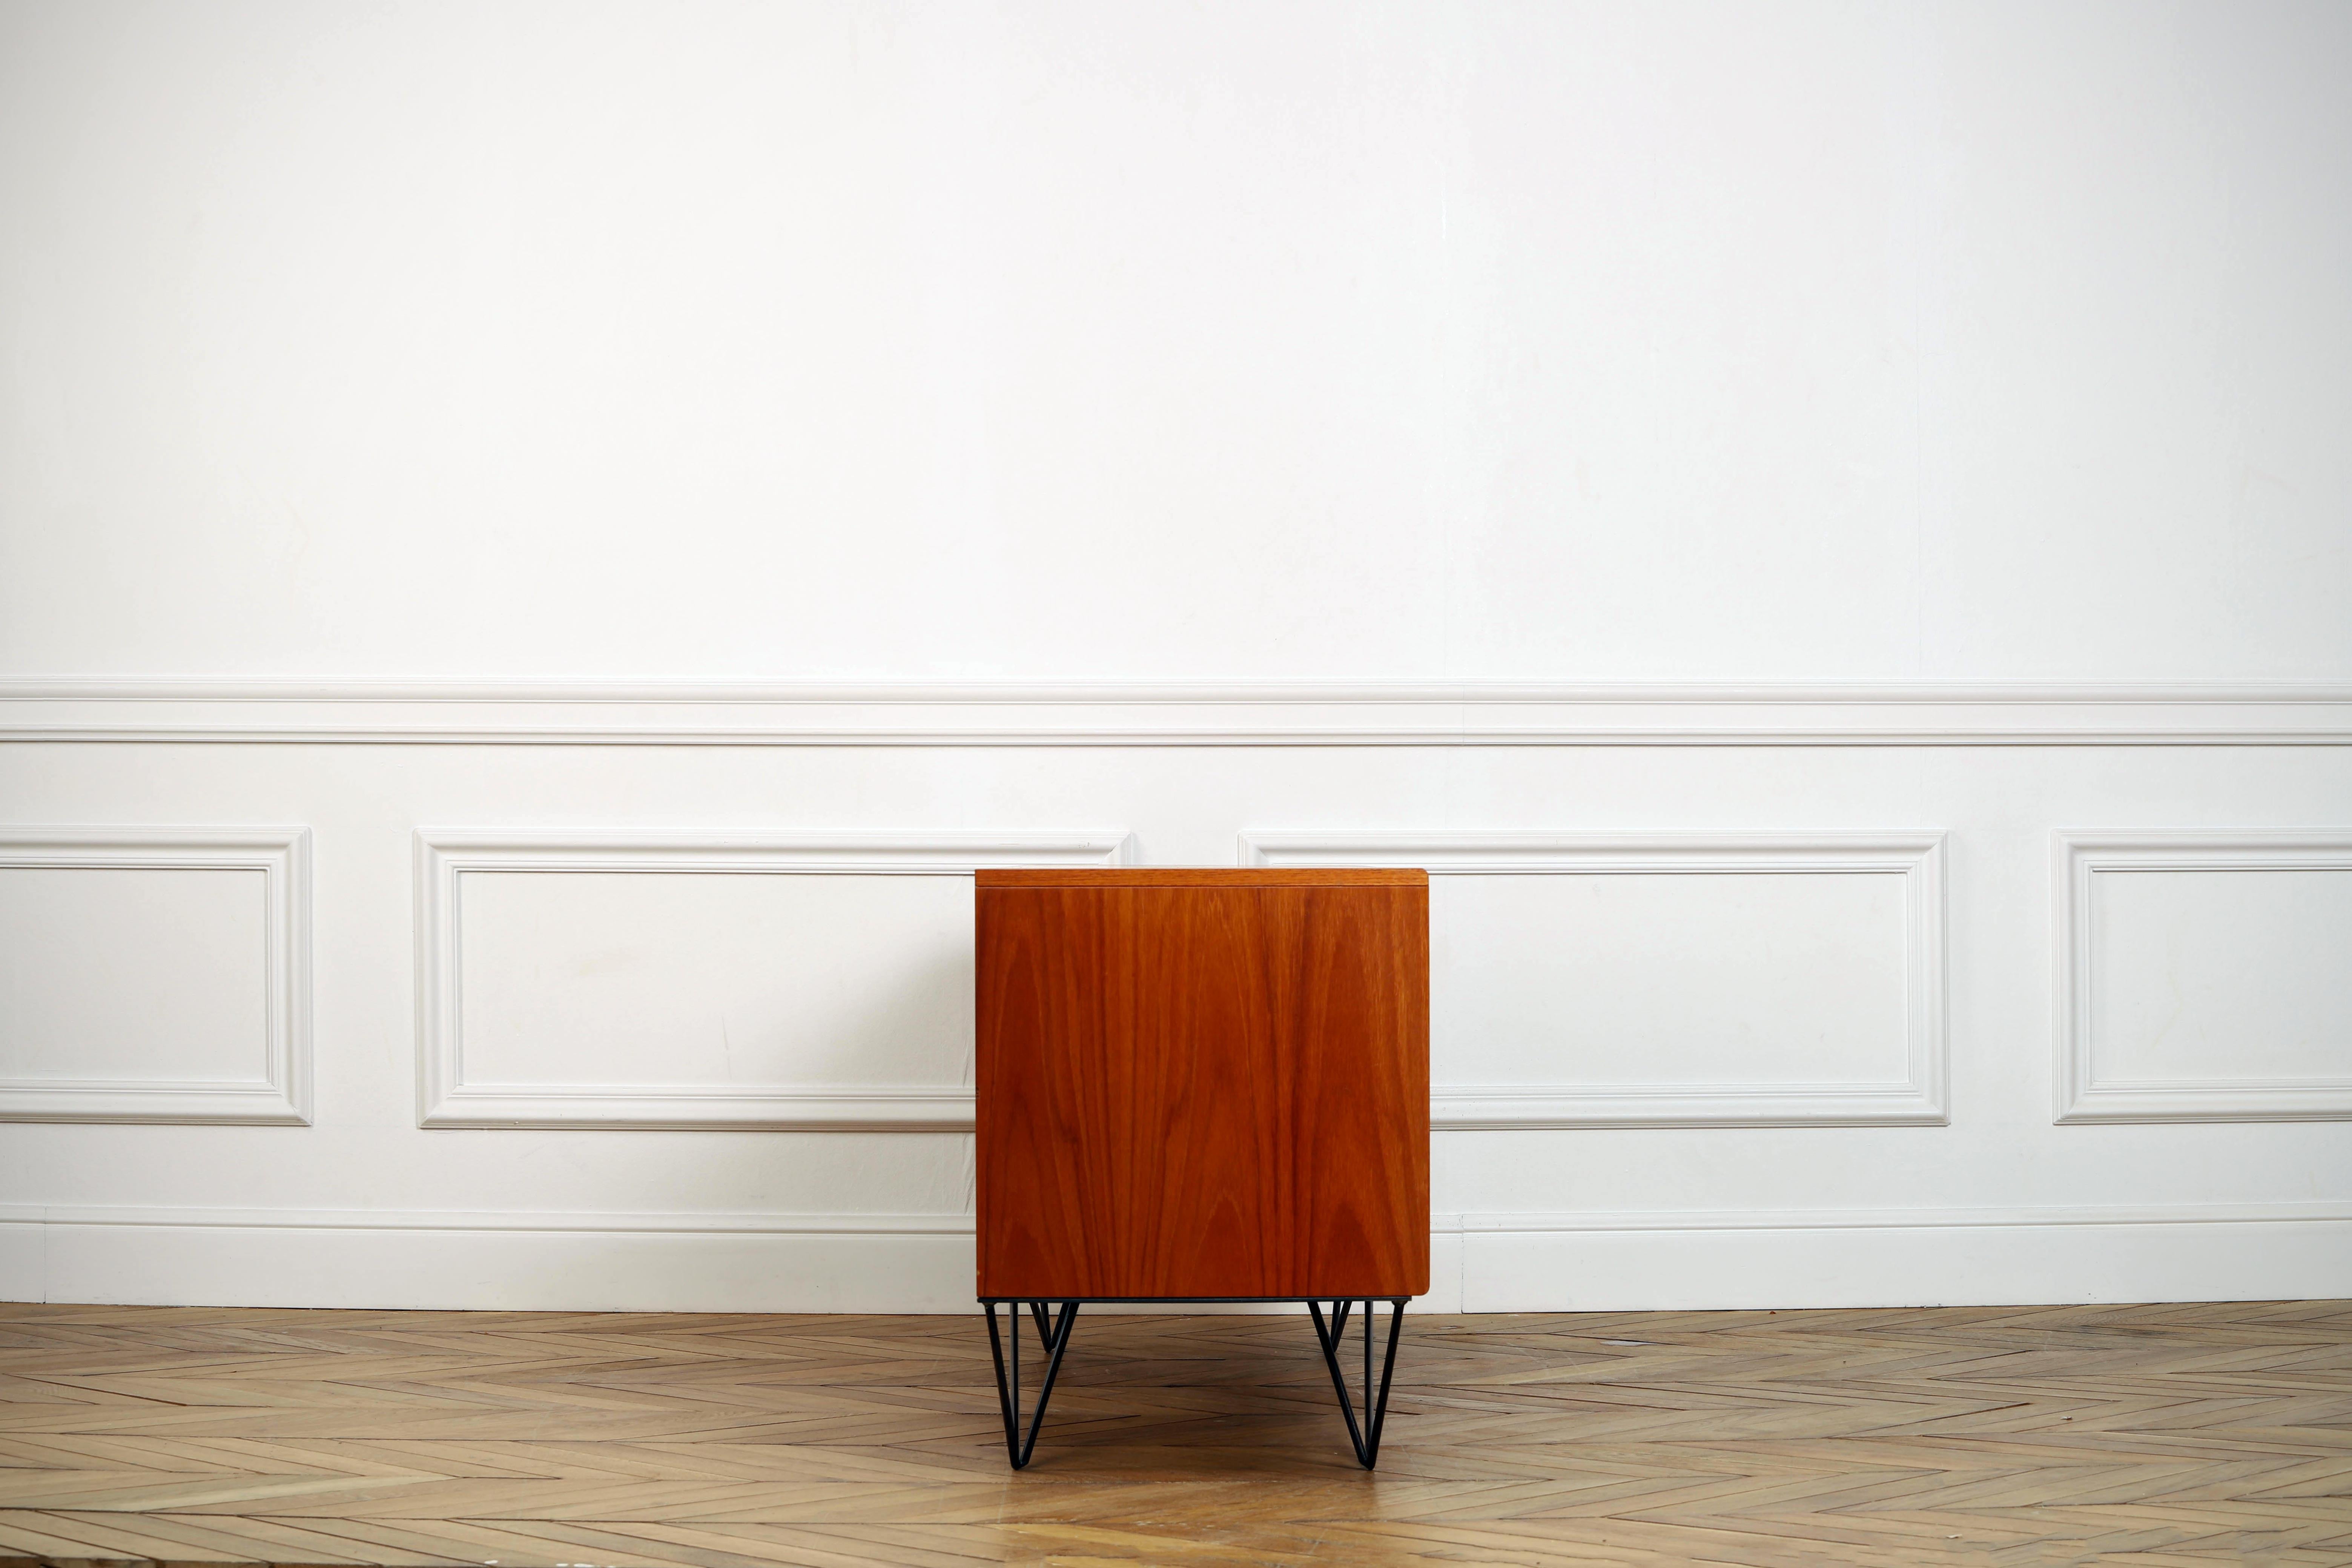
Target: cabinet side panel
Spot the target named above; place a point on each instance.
(1131, 1122)
(1217, 1219)
(1357, 1032)
(1037, 1015)
(1203, 1092)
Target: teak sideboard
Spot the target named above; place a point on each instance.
(1201, 1086)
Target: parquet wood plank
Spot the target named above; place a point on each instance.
(457, 1540)
(916, 1546)
(2182, 1434)
(34, 1538)
(271, 1542)
(652, 1539)
(140, 1535)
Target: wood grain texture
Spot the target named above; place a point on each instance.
(1212, 1087)
(1204, 877)
(2158, 1437)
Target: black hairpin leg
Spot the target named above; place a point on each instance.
(1056, 1333)
(1366, 1436)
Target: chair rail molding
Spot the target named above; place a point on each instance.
(1919, 1099)
(961, 1224)
(2084, 1095)
(445, 1098)
(1232, 713)
(281, 1096)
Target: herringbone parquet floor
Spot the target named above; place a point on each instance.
(2165, 1435)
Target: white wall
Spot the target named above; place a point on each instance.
(540, 544)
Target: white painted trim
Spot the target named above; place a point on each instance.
(1994, 1218)
(658, 1223)
(2082, 1095)
(446, 1099)
(922, 1263)
(1919, 1099)
(1582, 1221)
(282, 1096)
(2191, 1258)
(1268, 713)
(375, 689)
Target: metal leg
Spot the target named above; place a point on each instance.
(1056, 1333)
(1366, 1435)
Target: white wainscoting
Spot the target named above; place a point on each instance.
(155, 974)
(662, 934)
(1720, 967)
(2202, 975)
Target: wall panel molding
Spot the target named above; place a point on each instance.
(281, 1097)
(1918, 1099)
(1273, 713)
(2084, 1095)
(447, 1099)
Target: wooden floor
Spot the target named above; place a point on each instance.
(2140, 1435)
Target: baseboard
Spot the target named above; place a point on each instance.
(498, 1270)
(1929, 1258)
(512, 1261)
(923, 1263)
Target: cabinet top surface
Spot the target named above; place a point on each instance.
(1203, 876)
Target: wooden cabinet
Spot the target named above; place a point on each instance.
(1200, 1085)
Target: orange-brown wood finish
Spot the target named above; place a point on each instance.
(1203, 1083)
